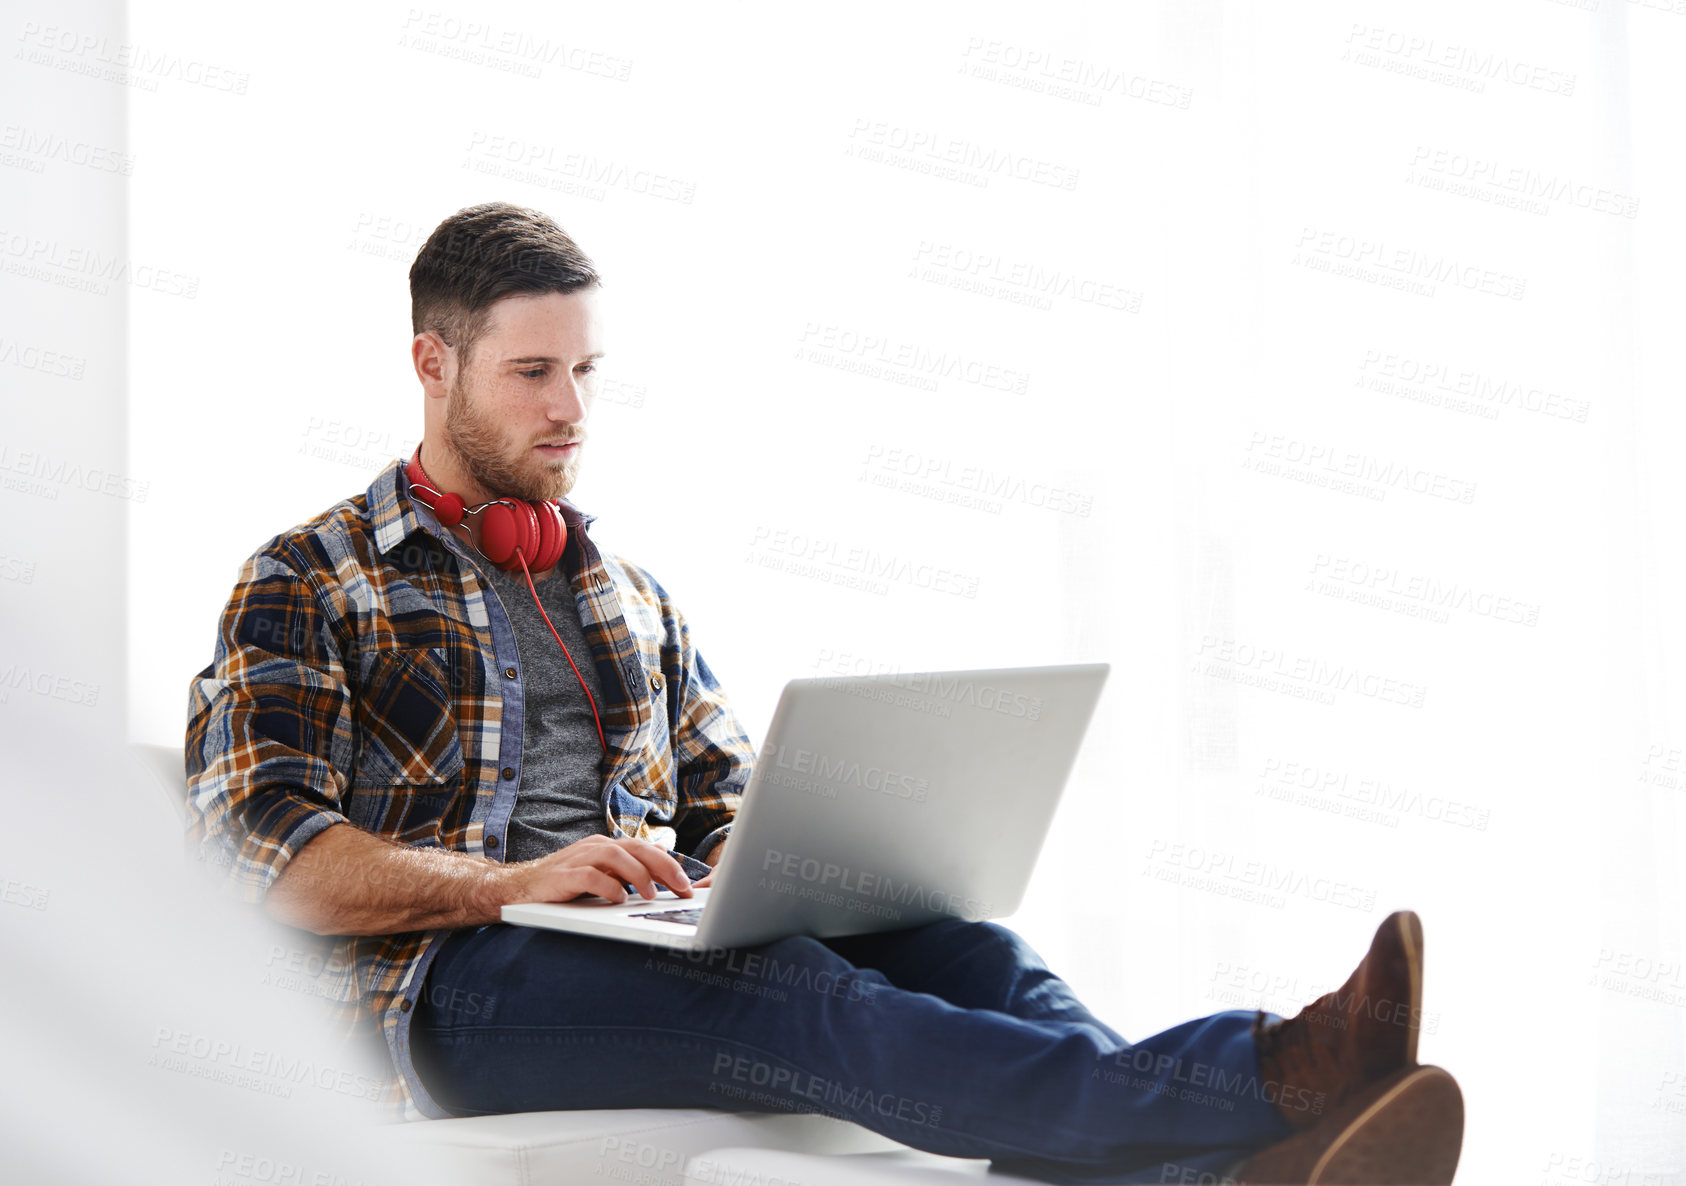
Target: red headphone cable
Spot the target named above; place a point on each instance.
(450, 511)
(592, 700)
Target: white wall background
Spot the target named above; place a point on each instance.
(1283, 244)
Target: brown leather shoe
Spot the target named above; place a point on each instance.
(1349, 1038)
(1405, 1129)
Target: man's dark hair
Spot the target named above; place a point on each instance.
(482, 254)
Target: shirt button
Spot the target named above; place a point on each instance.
(655, 681)
(404, 1005)
(509, 673)
(508, 773)
(491, 842)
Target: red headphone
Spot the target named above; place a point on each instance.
(513, 533)
(511, 529)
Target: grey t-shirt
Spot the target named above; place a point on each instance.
(560, 798)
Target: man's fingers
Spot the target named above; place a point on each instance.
(585, 879)
(660, 862)
(604, 870)
(622, 860)
(605, 867)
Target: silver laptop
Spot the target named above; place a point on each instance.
(876, 803)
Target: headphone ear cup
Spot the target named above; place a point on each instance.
(552, 536)
(500, 532)
(448, 510)
(527, 528)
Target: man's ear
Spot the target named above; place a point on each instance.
(435, 363)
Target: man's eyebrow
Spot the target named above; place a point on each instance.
(547, 358)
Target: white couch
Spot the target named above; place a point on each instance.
(644, 1146)
(663, 1147)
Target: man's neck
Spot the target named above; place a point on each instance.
(440, 465)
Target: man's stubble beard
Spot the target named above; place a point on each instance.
(474, 438)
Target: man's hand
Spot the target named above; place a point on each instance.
(347, 882)
(712, 860)
(600, 865)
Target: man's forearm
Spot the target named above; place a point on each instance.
(346, 882)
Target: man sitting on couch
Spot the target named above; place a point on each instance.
(408, 723)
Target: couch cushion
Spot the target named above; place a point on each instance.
(743, 1166)
(644, 1146)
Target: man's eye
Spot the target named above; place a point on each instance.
(586, 367)
(533, 374)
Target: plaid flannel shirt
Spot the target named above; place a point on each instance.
(364, 673)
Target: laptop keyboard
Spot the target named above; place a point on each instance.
(688, 918)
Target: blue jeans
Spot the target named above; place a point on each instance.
(952, 1037)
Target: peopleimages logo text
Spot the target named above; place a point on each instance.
(826, 875)
(965, 691)
(843, 770)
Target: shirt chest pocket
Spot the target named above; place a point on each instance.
(410, 756)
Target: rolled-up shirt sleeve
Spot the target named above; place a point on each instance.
(710, 749)
(270, 733)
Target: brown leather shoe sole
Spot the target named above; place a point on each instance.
(1411, 939)
(1404, 1130)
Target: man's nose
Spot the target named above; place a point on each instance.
(568, 402)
